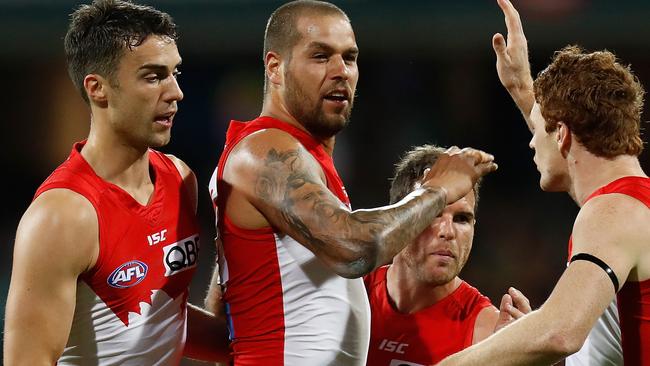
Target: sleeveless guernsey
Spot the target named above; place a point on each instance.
(426, 336)
(622, 334)
(131, 307)
(284, 306)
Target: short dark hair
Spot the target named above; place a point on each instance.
(99, 33)
(599, 99)
(410, 169)
(281, 33)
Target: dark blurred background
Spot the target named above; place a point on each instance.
(427, 76)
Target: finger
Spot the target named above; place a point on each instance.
(513, 21)
(479, 157)
(486, 168)
(484, 157)
(425, 174)
(506, 300)
(453, 150)
(499, 45)
(504, 316)
(514, 312)
(519, 300)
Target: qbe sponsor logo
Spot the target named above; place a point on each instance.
(128, 274)
(181, 256)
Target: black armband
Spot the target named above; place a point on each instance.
(599, 263)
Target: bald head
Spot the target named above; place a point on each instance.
(282, 33)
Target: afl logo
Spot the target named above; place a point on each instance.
(128, 274)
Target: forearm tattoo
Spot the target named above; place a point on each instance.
(364, 239)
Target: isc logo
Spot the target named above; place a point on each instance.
(392, 346)
(158, 237)
(180, 256)
(128, 274)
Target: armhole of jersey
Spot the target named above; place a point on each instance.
(482, 303)
(169, 163)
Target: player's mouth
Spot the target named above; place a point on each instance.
(165, 119)
(444, 253)
(339, 97)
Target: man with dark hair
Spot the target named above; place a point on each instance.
(421, 310)
(106, 250)
(294, 251)
(584, 111)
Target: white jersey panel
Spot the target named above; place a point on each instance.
(222, 264)
(98, 337)
(603, 344)
(327, 317)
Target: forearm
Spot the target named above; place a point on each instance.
(212, 302)
(524, 98)
(294, 199)
(396, 226)
(532, 340)
(355, 243)
(207, 336)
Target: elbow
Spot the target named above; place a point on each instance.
(356, 263)
(563, 343)
(354, 269)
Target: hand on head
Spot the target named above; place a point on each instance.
(456, 171)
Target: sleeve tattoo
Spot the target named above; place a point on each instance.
(358, 241)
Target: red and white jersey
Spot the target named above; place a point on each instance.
(426, 336)
(285, 306)
(622, 334)
(131, 306)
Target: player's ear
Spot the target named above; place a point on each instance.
(564, 138)
(95, 86)
(273, 67)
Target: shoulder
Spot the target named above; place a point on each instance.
(485, 323)
(183, 169)
(61, 207)
(375, 278)
(614, 228)
(260, 143)
(188, 177)
(608, 218)
(62, 224)
(272, 149)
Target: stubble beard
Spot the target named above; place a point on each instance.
(438, 279)
(311, 116)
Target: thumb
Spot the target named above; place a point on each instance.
(499, 44)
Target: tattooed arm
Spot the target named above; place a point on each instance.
(275, 181)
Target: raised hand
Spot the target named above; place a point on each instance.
(458, 170)
(513, 306)
(513, 67)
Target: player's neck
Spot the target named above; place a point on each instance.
(274, 108)
(113, 160)
(589, 172)
(409, 295)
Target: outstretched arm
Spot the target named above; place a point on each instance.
(512, 61)
(559, 328)
(284, 183)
